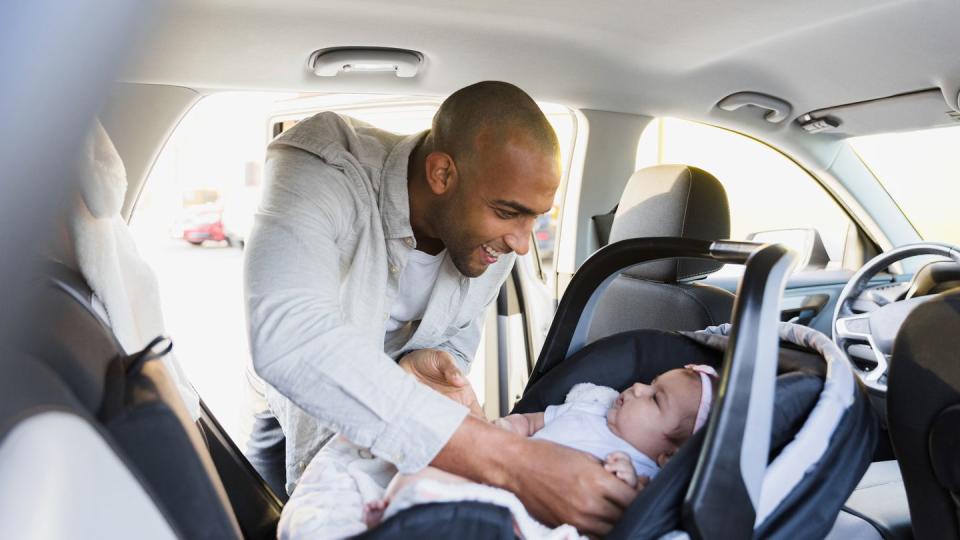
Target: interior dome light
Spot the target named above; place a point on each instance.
(331, 62)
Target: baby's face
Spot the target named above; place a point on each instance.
(654, 418)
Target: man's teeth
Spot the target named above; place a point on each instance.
(491, 252)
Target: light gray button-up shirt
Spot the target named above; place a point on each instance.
(322, 267)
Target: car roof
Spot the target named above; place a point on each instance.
(650, 57)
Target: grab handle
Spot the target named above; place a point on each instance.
(778, 109)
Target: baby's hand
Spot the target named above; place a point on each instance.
(373, 512)
(620, 465)
(516, 423)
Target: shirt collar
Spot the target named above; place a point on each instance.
(394, 198)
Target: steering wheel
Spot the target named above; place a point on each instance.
(867, 337)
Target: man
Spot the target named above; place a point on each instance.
(371, 248)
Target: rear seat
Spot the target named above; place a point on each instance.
(135, 406)
(143, 407)
(195, 472)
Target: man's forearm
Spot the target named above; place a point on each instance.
(480, 451)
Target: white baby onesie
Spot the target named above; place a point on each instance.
(581, 423)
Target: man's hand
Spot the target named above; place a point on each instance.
(439, 371)
(557, 484)
(561, 485)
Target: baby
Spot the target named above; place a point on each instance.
(633, 433)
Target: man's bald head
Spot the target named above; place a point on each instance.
(488, 168)
(497, 111)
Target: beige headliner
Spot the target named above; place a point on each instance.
(643, 56)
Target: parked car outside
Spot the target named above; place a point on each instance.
(204, 223)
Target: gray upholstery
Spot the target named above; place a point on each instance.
(879, 504)
(677, 201)
(666, 200)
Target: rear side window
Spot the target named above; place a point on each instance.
(766, 191)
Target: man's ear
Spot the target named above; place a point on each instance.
(441, 172)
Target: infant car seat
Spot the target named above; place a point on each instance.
(791, 431)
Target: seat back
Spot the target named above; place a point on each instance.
(666, 201)
(132, 400)
(923, 411)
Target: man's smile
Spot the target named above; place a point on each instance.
(489, 254)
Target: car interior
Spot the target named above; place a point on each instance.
(651, 259)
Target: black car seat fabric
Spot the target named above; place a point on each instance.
(616, 361)
(666, 201)
(463, 521)
(135, 403)
(923, 411)
(620, 360)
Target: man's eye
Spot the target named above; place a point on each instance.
(503, 214)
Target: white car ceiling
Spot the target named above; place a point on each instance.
(640, 56)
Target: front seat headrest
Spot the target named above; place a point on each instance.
(678, 201)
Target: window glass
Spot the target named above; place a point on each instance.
(766, 191)
(197, 208)
(188, 228)
(921, 172)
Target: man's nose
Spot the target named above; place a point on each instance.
(519, 240)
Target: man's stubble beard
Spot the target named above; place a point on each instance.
(456, 240)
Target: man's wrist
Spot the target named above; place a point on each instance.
(481, 452)
(506, 451)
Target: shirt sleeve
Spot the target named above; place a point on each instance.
(300, 342)
(463, 345)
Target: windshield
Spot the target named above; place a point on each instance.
(921, 172)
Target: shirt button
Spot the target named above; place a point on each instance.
(398, 458)
(408, 241)
(393, 269)
(365, 454)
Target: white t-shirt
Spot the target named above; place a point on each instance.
(581, 423)
(413, 292)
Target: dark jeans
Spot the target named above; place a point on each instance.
(266, 451)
